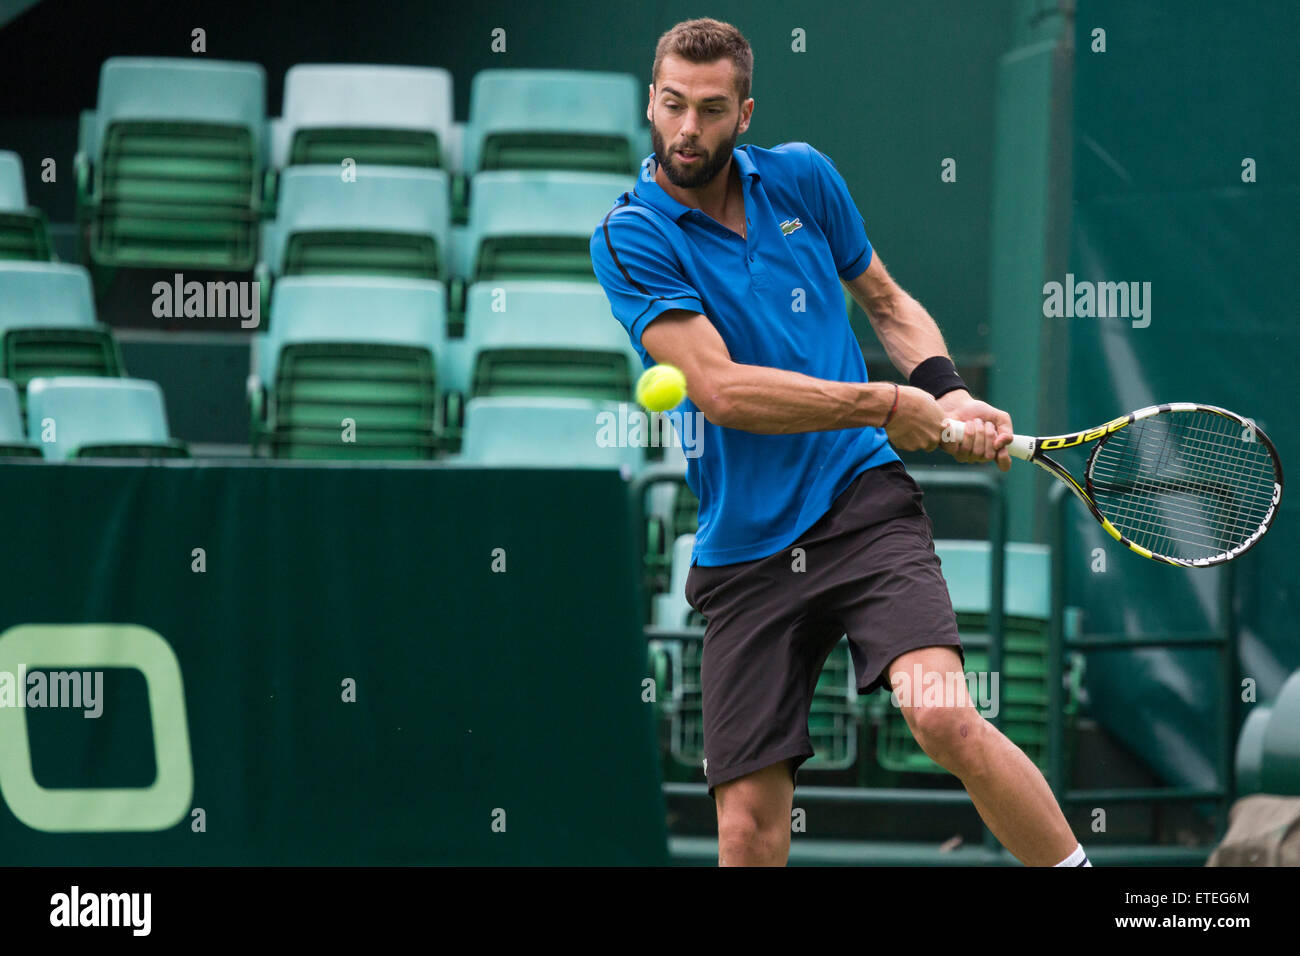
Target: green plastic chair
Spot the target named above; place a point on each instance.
(24, 231)
(676, 668)
(383, 115)
(528, 224)
(1249, 759)
(85, 417)
(686, 511)
(553, 119)
(13, 440)
(533, 337)
(390, 221)
(454, 369)
(169, 170)
(455, 376)
(358, 348)
(834, 718)
(671, 609)
(1026, 575)
(1280, 747)
(13, 191)
(48, 327)
(1022, 692)
(662, 504)
(1268, 746)
(45, 294)
(524, 431)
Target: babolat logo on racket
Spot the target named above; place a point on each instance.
(1069, 441)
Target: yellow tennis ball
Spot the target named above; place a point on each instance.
(660, 388)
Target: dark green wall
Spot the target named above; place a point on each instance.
(1163, 120)
(475, 690)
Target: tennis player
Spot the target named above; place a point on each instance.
(726, 262)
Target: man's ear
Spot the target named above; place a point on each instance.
(746, 116)
(650, 104)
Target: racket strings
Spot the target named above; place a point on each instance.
(1124, 481)
(1236, 502)
(1184, 484)
(1181, 513)
(1186, 499)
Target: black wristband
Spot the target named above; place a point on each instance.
(936, 375)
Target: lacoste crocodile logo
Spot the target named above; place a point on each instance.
(789, 226)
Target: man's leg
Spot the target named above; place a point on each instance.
(754, 817)
(1008, 790)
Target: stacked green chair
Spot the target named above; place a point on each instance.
(670, 609)
(348, 369)
(85, 417)
(48, 327)
(531, 337)
(532, 432)
(530, 224)
(1022, 691)
(455, 376)
(675, 664)
(553, 119)
(834, 718)
(537, 337)
(381, 115)
(24, 232)
(661, 524)
(13, 440)
(686, 511)
(169, 169)
(390, 221)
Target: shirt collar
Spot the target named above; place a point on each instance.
(653, 194)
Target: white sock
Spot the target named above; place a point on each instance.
(1077, 858)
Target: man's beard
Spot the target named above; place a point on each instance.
(699, 172)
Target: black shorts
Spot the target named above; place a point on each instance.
(868, 570)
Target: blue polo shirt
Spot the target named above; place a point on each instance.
(775, 298)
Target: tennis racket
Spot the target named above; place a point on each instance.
(1183, 484)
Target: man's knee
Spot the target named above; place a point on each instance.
(740, 827)
(747, 838)
(953, 737)
(948, 728)
(754, 810)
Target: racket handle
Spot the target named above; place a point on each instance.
(1022, 446)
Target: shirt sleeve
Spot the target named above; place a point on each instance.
(639, 272)
(841, 222)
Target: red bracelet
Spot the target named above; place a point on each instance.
(892, 410)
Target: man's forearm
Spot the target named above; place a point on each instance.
(773, 401)
(907, 331)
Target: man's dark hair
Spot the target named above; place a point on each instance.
(703, 41)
